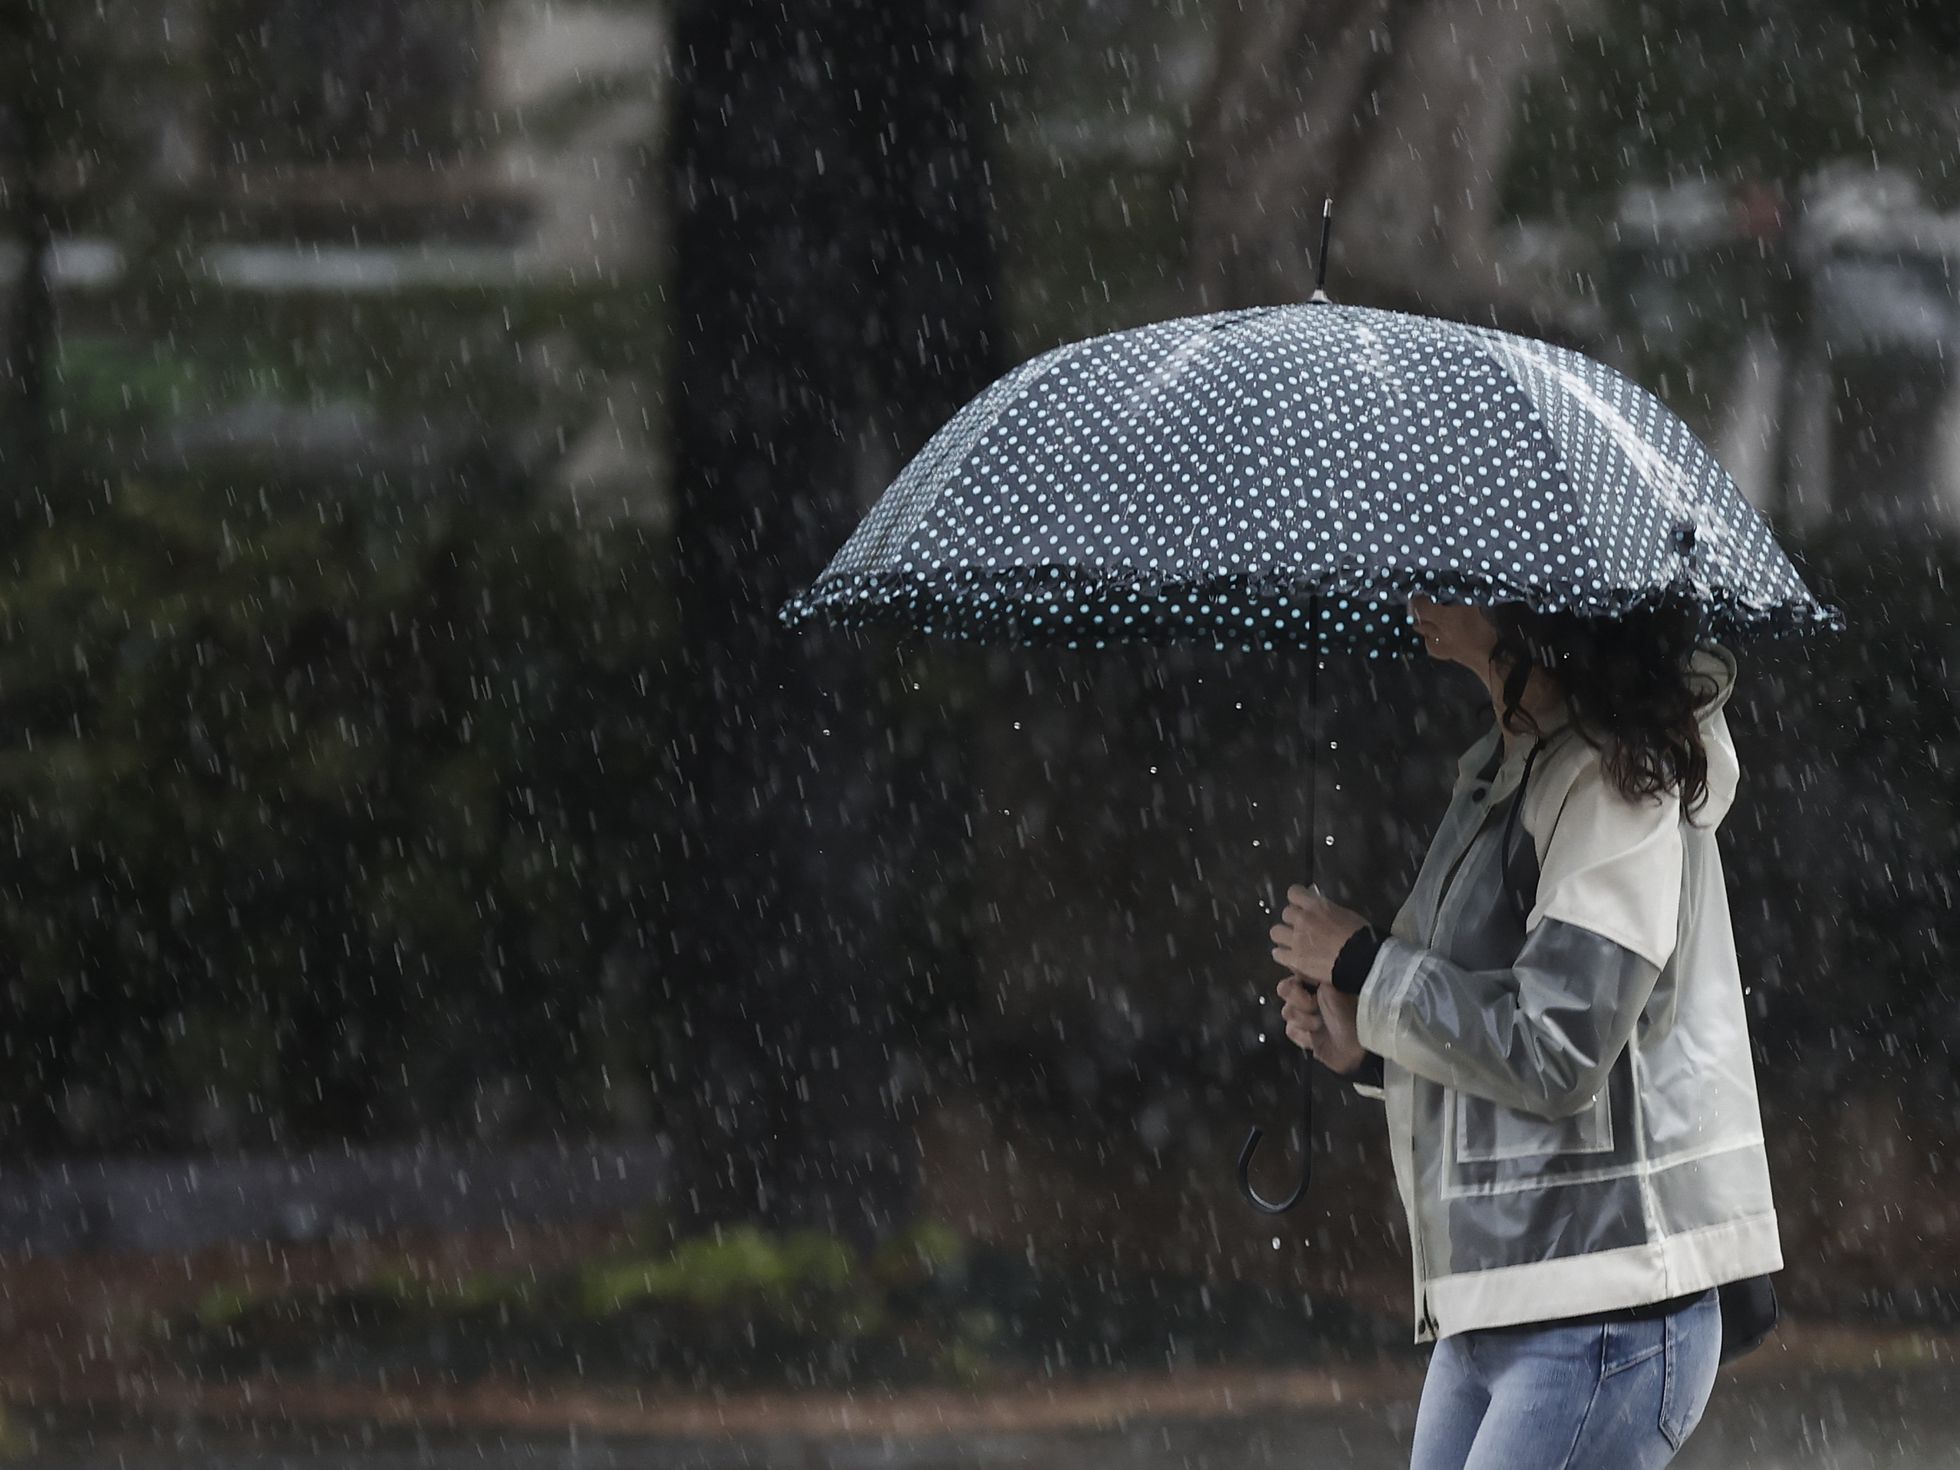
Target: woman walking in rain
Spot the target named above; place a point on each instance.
(1555, 1022)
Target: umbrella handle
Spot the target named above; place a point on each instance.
(1253, 1197)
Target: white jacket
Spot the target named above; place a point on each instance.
(1571, 1103)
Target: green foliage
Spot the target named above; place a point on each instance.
(16, 1440)
(724, 1307)
(749, 1307)
(924, 1249)
(740, 1267)
(967, 1356)
(331, 810)
(105, 383)
(223, 1305)
(465, 1294)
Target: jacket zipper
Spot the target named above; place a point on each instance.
(1427, 1321)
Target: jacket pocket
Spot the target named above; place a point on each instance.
(1484, 1132)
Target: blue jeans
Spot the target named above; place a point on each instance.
(1610, 1396)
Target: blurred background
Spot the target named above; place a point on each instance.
(467, 970)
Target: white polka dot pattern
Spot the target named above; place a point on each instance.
(1201, 479)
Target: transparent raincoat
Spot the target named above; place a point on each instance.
(1566, 1069)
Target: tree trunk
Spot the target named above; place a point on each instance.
(1398, 109)
(26, 443)
(833, 301)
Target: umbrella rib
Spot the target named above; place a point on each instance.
(1480, 339)
(1014, 390)
(1237, 411)
(1205, 331)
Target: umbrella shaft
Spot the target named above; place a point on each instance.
(1313, 732)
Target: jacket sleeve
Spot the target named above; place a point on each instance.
(1541, 1033)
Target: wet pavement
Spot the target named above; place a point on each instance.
(1843, 1419)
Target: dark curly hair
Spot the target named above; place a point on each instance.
(1628, 684)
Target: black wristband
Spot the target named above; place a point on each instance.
(1369, 1073)
(1356, 959)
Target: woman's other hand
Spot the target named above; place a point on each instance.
(1310, 933)
(1321, 1019)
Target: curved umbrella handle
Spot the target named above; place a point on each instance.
(1253, 1197)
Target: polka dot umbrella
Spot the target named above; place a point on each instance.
(1207, 478)
(1284, 478)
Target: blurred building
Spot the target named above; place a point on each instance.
(1840, 406)
(295, 154)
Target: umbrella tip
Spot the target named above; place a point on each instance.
(1326, 233)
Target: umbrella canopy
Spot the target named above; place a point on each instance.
(1204, 478)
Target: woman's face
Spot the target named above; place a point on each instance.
(1455, 631)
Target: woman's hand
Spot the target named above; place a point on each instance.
(1321, 1019)
(1310, 933)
